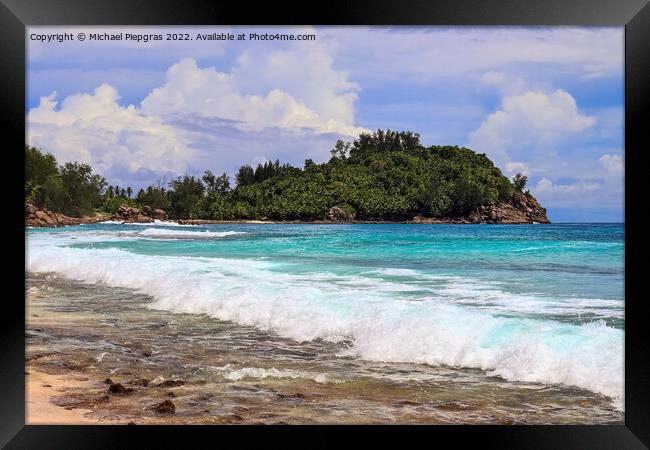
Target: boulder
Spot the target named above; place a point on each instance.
(165, 407)
(159, 214)
(140, 382)
(520, 208)
(117, 388)
(42, 217)
(170, 383)
(129, 214)
(336, 214)
(141, 218)
(30, 209)
(46, 217)
(147, 210)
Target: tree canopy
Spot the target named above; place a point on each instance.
(384, 175)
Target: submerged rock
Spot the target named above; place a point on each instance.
(170, 383)
(165, 407)
(117, 388)
(103, 398)
(296, 395)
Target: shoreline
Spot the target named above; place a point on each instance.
(96, 221)
(507, 215)
(41, 391)
(217, 372)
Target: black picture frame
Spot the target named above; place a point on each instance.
(634, 15)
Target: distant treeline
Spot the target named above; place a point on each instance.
(385, 175)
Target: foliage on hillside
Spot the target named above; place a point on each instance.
(379, 176)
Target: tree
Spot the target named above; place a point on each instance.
(155, 197)
(53, 194)
(519, 181)
(385, 141)
(184, 195)
(435, 201)
(39, 168)
(214, 184)
(341, 149)
(82, 189)
(245, 176)
(385, 175)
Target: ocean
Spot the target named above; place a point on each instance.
(541, 305)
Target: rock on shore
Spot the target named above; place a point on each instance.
(129, 214)
(42, 217)
(521, 208)
(336, 214)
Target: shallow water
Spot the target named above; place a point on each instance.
(370, 323)
(236, 374)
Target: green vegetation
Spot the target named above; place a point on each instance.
(386, 175)
(71, 189)
(519, 181)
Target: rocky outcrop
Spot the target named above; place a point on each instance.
(42, 217)
(129, 214)
(520, 208)
(336, 214)
(158, 214)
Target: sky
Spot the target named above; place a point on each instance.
(547, 102)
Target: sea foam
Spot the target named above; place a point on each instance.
(163, 233)
(378, 325)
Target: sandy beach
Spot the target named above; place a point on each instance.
(41, 393)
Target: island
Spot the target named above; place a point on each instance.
(384, 176)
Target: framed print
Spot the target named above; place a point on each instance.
(385, 214)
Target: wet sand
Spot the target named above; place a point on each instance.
(216, 372)
(42, 393)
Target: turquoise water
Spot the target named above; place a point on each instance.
(541, 303)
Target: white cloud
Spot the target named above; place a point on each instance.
(207, 92)
(503, 82)
(225, 104)
(292, 95)
(546, 186)
(515, 167)
(423, 53)
(529, 122)
(579, 194)
(613, 164)
(95, 129)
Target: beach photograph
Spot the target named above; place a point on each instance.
(299, 225)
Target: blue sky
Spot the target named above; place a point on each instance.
(547, 102)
